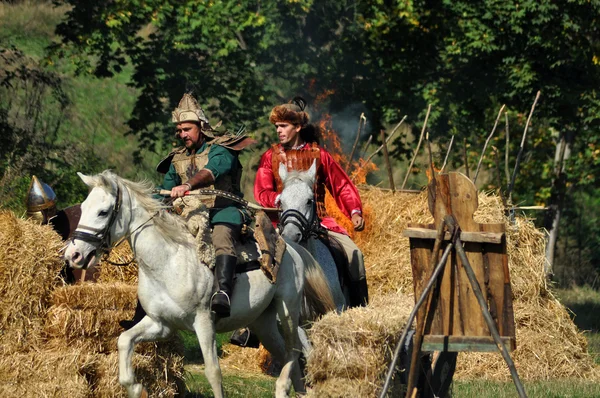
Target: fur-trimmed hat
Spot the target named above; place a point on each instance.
(292, 112)
(188, 110)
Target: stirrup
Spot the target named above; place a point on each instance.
(218, 304)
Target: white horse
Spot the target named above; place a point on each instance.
(299, 221)
(175, 288)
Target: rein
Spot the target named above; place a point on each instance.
(308, 228)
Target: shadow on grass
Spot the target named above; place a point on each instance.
(191, 348)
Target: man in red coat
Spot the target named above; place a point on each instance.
(298, 148)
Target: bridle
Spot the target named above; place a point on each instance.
(100, 237)
(308, 228)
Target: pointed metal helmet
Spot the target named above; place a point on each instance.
(41, 201)
(188, 110)
(40, 196)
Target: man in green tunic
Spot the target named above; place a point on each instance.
(208, 161)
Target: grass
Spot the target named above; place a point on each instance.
(542, 389)
(584, 303)
(235, 384)
(191, 348)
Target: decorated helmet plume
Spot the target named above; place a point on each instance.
(189, 110)
(292, 112)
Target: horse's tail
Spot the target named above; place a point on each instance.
(318, 299)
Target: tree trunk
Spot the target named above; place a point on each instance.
(556, 202)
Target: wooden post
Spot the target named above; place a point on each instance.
(360, 124)
(466, 157)
(506, 150)
(387, 140)
(486, 144)
(447, 153)
(387, 162)
(518, 162)
(418, 146)
(364, 152)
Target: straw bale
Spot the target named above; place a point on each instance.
(343, 388)
(93, 296)
(357, 344)
(161, 374)
(241, 358)
(71, 324)
(29, 269)
(109, 273)
(62, 386)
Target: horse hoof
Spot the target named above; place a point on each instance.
(144, 393)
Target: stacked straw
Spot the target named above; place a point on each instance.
(29, 269)
(59, 340)
(346, 361)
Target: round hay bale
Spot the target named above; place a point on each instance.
(30, 265)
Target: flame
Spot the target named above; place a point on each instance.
(357, 170)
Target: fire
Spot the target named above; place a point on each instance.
(331, 141)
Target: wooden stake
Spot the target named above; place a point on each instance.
(387, 140)
(506, 150)
(418, 146)
(447, 153)
(387, 162)
(486, 144)
(364, 152)
(518, 162)
(498, 178)
(360, 125)
(466, 157)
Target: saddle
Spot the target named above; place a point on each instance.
(261, 246)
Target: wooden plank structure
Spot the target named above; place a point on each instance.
(451, 319)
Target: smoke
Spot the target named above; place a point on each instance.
(345, 124)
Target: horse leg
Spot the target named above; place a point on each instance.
(289, 315)
(266, 328)
(205, 331)
(146, 330)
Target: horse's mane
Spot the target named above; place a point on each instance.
(171, 227)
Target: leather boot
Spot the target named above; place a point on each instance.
(137, 317)
(224, 272)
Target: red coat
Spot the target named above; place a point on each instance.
(330, 173)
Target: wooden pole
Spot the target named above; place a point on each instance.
(364, 152)
(387, 140)
(466, 157)
(518, 161)
(360, 125)
(506, 150)
(447, 153)
(387, 162)
(498, 177)
(412, 161)
(486, 144)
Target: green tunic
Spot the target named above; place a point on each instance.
(221, 162)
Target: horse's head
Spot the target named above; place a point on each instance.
(99, 226)
(297, 203)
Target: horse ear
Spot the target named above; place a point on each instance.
(282, 172)
(312, 172)
(86, 179)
